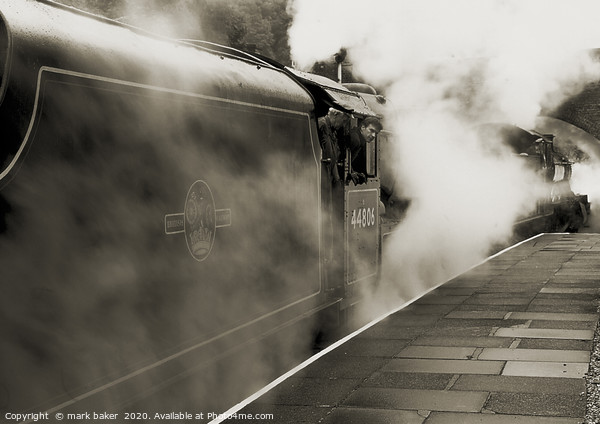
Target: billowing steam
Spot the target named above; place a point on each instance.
(176, 20)
(445, 67)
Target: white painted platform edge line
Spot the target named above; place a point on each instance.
(234, 409)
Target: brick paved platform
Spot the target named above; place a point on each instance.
(507, 342)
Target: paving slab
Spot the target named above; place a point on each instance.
(455, 291)
(584, 298)
(368, 347)
(537, 333)
(462, 331)
(409, 320)
(305, 392)
(535, 355)
(483, 271)
(431, 400)
(579, 273)
(352, 367)
(409, 380)
(441, 300)
(526, 276)
(566, 325)
(486, 322)
(591, 308)
(505, 308)
(393, 332)
(517, 278)
(430, 309)
(467, 283)
(555, 344)
(444, 366)
(464, 341)
(561, 300)
(581, 262)
(502, 294)
(537, 404)
(552, 316)
(518, 289)
(476, 315)
(579, 279)
(497, 300)
(574, 290)
(437, 352)
(519, 384)
(374, 416)
(566, 283)
(545, 369)
(462, 418)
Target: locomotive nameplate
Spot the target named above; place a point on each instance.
(199, 220)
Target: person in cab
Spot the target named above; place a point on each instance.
(360, 136)
(331, 127)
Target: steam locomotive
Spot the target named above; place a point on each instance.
(559, 209)
(161, 206)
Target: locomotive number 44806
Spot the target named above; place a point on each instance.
(363, 217)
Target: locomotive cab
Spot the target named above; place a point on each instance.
(351, 230)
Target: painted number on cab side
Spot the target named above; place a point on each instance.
(363, 217)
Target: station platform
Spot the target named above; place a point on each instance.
(509, 341)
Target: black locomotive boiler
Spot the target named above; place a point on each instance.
(160, 207)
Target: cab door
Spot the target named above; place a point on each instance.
(361, 223)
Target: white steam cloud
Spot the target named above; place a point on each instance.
(447, 66)
(180, 22)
